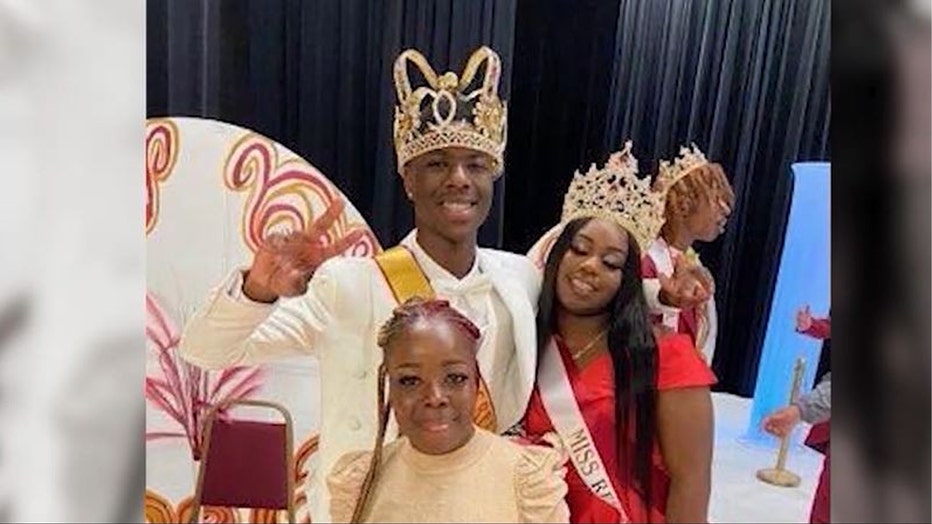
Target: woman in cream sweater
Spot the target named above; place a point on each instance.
(444, 468)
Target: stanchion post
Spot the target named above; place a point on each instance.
(779, 475)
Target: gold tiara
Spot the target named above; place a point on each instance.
(668, 174)
(615, 193)
(445, 112)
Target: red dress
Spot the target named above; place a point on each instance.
(679, 365)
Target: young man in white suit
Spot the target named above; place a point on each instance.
(297, 299)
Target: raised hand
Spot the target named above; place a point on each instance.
(688, 286)
(284, 263)
(803, 319)
(781, 422)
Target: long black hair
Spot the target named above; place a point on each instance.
(633, 350)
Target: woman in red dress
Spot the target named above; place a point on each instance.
(632, 409)
(819, 437)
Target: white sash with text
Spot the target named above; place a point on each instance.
(560, 403)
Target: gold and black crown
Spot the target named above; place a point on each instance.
(449, 111)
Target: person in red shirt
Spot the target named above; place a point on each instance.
(819, 329)
(819, 437)
(815, 408)
(631, 407)
(698, 200)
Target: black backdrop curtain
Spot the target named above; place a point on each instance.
(747, 80)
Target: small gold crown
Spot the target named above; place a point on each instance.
(444, 113)
(617, 194)
(669, 174)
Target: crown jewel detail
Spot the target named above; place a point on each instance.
(689, 159)
(446, 112)
(615, 193)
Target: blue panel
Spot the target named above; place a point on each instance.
(803, 278)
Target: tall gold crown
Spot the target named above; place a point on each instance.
(668, 174)
(615, 193)
(446, 112)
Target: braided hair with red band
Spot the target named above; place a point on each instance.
(411, 312)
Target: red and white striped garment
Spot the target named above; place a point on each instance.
(700, 322)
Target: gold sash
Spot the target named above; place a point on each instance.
(406, 279)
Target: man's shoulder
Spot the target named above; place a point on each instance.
(518, 268)
(507, 259)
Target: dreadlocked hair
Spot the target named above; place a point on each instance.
(705, 182)
(413, 310)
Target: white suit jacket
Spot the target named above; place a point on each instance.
(337, 321)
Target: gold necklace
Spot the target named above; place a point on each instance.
(578, 355)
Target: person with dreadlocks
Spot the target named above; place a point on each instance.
(632, 406)
(698, 200)
(443, 467)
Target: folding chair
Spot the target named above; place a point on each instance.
(245, 463)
